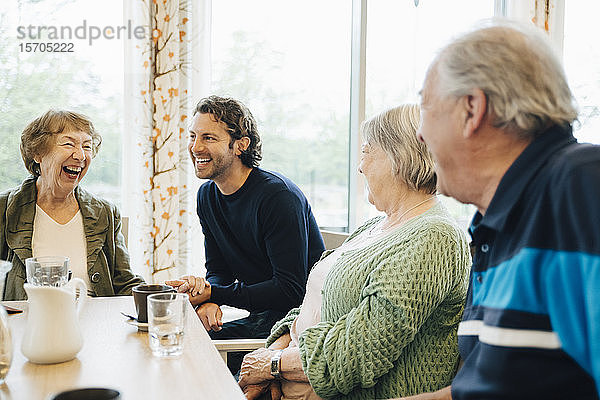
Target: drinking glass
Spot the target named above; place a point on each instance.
(6, 348)
(166, 318)
(47, 270)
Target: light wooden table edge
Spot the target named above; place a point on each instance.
(23, 305)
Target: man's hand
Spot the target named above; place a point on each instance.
(197, 288)
(211, 316)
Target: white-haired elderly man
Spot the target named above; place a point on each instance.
(497, 115)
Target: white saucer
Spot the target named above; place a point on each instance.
(142, 326)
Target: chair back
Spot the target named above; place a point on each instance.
(333, 239)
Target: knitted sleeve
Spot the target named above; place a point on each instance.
(411, 279)
(283, 326)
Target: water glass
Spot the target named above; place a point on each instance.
(47, 270)
(166, 318)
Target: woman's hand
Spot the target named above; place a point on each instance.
(282, 342)
(275, 388)
(253, 392)
(256, 368)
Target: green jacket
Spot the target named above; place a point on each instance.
(107, 258)
(389, 314)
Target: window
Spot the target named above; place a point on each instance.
(88, 80)
(289, 62)
(581, 58)
(401, 42)
(296, 79)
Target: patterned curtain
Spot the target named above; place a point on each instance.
(548, 15)
(157, 106)
(541, 17)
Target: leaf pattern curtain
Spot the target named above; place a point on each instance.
(548, 15)
(157, 107)
(542, 10)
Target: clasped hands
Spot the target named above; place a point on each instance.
(255, 375)
(198, 290)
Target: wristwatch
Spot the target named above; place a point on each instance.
(276, 365)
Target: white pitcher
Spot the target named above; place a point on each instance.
(52, 334)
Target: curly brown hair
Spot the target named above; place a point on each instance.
(37, 136)
(239, 121)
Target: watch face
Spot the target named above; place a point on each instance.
(275, 364)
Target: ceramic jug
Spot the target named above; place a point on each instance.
(52, 334)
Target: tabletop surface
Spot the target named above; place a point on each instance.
(116, 355)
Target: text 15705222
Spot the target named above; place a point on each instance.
(43, 47)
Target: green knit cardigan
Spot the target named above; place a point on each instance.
(389, 313)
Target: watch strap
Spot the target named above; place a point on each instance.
(276, 365)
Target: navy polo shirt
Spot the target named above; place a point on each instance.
(531, 325)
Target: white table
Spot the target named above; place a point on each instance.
(117, 356)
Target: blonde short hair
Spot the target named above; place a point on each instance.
(395, 131)
(37, 136)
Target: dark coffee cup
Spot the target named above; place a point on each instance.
(88, 394)
(141, 292)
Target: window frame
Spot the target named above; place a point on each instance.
(358, 96)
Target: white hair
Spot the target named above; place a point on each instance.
(516, 68)
(395, 131)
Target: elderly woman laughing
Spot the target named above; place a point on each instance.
(380, 313)
(49, 214)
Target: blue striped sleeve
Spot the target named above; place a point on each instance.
(574, 277)
(574, 309)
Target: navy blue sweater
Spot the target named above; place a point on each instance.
(260, 242)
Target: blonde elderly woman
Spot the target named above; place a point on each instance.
(380, 314)
(49, 214)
